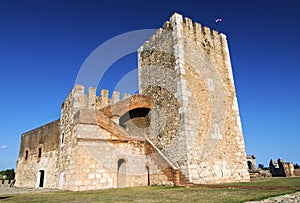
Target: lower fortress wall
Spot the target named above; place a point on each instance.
(38, 153)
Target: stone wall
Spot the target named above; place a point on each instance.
(94, 144)
(98, 153)
(159, 80)
(186, 69)
(297, 172)
(76, 101)
(281, 168)
(289, 169)
(29, 164)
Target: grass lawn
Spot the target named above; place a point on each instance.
(237, 192)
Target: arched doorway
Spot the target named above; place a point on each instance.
(121, 173)
(250, 165)
(42, 176)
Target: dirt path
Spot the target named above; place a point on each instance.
(14, 190)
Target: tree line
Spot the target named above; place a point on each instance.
(9, 173)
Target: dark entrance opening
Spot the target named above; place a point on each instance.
(42, 176)
(148, 174)
(250, 165)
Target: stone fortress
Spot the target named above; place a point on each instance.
(183, 127)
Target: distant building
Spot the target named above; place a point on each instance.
(3, 177)
(281, 169)
(251, 161)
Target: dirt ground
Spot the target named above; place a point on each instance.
(14, 190)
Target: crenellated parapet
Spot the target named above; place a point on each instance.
(78, 99)
(103, 100)
(208, 39)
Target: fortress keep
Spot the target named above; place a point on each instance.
(183, 127)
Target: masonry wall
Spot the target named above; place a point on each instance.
(99, 167)
(66, 153)
(207, 141)
(89, 154)
(158, 79)
(98, 153)
(28, 166)
(217, 152)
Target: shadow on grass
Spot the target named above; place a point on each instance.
(5, 197)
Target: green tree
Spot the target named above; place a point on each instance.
(10, 174)
(296, 166)
(261, 166)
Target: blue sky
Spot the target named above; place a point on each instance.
(44, 43)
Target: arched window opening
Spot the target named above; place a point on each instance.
(26, 154)
(39, 152)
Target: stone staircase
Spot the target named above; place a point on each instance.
(165, 166)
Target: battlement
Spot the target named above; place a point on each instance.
(193, 27)
(184, 27)
(91, 100)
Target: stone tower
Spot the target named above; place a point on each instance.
(195, 120)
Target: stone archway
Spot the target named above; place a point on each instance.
(122, 107)
(121, 179)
